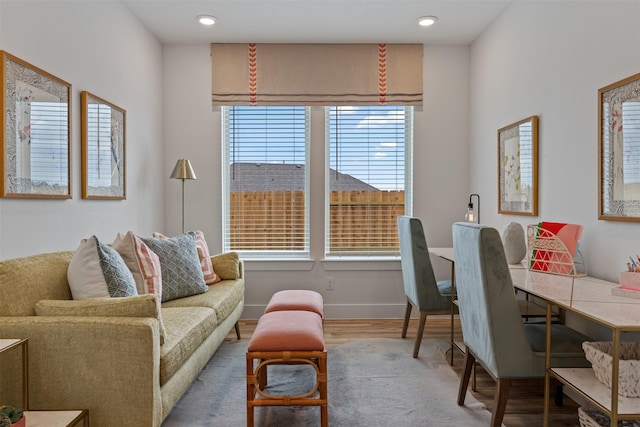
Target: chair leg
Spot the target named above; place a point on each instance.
(469, 361)
(407, 314)
(500, 401)
(423, 321)
(237, 330)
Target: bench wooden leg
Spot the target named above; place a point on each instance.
(324, 396)
(251, 391)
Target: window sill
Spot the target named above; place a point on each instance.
(361, 263)
(328, 264)
(278, 264)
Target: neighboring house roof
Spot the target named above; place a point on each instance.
(286, 177)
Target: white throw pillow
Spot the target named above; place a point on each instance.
(98, 271)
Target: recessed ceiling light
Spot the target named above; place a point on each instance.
(206, 19)
(427, 21)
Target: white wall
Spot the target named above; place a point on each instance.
(363, 289)
(99, 47)
(549, 58)
(544, 58)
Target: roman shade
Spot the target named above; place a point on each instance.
(316, 74)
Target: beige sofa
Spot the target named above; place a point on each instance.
(107, 356)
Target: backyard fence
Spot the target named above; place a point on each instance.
(360, 221)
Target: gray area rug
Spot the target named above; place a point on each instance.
(372, 382)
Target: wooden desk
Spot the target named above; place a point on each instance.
(591, 299)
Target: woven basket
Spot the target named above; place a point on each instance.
(595, 418)
(599, 354)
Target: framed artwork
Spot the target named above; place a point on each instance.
(619, 147)
(103, 149)
(518, 168)
(36, 118)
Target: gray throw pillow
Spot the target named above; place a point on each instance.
(180, 265)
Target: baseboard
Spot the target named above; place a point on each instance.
(346, 311)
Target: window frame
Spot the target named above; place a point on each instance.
(408, 189)
(226, 196)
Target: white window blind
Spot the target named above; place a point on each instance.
(265, 178)
(368, 178)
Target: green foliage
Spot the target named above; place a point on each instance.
(10, 413)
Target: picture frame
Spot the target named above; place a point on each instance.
(619, 150)
(36, 123)
(103, 148)
(518, 168)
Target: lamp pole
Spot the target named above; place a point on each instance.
(183, 205)
(182, 171)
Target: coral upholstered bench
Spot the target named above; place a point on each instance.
(296, 299)
(287, 337)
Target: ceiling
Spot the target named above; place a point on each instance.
(317, 21)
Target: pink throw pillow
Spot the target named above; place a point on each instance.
(143, 263)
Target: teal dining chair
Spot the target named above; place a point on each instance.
(422, 289)
(492, 327)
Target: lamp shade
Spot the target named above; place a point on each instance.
(183, 170)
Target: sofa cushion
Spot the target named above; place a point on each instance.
(210, 276)
(223, 297)
(227, 265)
(25, 281)
(146, 305)
(186, 329)
(98, 271)
(143, 263)
(181, 272)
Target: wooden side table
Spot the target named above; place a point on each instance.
(61, 418)
(65, 418)
(6, 346)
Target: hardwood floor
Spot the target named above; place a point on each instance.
(525, 405)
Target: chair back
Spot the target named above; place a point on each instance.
(420, 283)
(489, 314)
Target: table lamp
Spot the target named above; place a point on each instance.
(471, 215)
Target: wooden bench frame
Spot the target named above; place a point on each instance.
(257, 381)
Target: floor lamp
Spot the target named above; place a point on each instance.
(183, 170)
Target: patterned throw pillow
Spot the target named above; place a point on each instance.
(98, 271)
(181, 271)
(210, 276)
(143, 263)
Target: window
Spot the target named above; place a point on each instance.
(265, 179)
(368, 178)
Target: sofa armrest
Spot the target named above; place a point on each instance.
(108, 365)
(146, 305)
